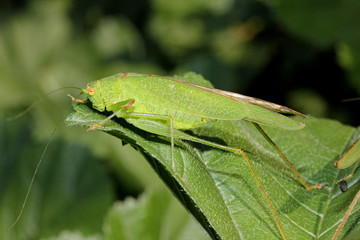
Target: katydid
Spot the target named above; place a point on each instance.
(351, 156)
(166, 106)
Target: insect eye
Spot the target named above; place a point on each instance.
(91, 91)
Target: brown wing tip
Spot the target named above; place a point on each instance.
(301, 115)
(291, 111)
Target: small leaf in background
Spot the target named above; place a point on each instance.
(154, 215)
(67, 235)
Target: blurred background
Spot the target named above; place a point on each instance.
(301, 54)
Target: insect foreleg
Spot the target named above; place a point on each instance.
(123, 105)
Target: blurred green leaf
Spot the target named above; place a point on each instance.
(349, 58)
(154, 215)
(308, 101)
(219, 190)
(118, 36)
(67, 235)
(176, 36)
(321, 22)
(181, 9)
(71, 190)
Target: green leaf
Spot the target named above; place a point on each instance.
(218, 189)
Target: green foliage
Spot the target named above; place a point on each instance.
(302, 54)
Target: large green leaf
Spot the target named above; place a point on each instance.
(218, 189)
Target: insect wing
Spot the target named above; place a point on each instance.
(242, 98)
(259, 111)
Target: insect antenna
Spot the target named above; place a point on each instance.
(33, 177)
(43, 153)
(36, 102)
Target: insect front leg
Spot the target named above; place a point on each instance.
(124, 104)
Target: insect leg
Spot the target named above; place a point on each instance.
(155, 118)
(125, 105)
(347, 214)
(350, 175)
(287, 161)
(262, 190)
(172, 142)
(149, 123)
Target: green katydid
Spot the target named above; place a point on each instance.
(166, 106)
(351, 156)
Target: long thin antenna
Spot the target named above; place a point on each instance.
(34, 175)
(39, 163)
(36, 102)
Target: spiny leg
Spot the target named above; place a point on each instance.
(287, 161)
(347, 215)
(262, 189)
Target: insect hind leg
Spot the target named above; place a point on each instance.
(301, 179)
